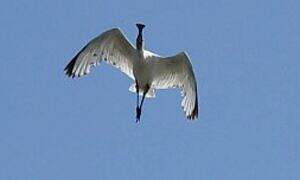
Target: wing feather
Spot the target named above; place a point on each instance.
(177, 72)
(111, 46)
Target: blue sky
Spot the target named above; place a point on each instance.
(246, 60)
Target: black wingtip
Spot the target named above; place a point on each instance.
(70, 66)
(194, 113)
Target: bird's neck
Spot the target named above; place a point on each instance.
(139, 41)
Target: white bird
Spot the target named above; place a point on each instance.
(148, 70)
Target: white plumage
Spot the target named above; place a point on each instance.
(147, 69)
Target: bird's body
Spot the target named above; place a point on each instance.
(142, 70)
(148, 70)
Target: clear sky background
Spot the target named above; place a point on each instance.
(246, 60)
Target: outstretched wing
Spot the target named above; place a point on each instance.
(111, 46)
(177, 71)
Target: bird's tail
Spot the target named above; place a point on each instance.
(150, 94)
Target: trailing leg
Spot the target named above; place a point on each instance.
(139, 109)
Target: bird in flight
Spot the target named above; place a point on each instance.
(149, 71)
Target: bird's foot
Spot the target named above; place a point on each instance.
(138, 114)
